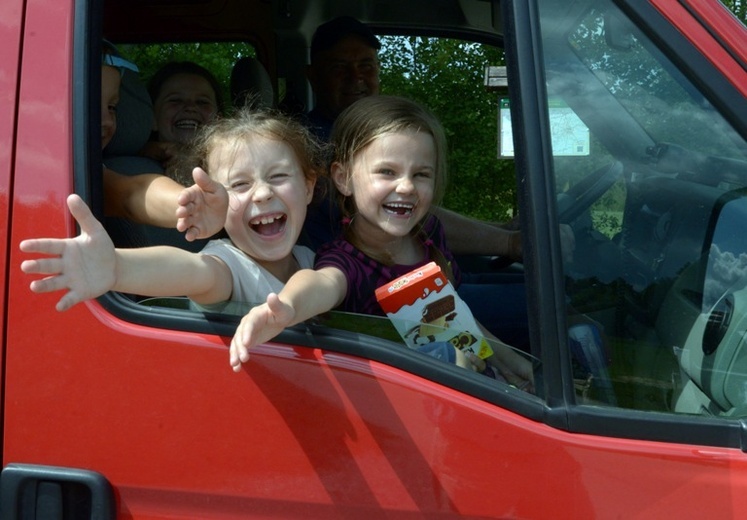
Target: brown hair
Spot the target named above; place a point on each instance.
(245, 123)
(368, 119)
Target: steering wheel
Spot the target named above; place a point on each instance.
(582, 195)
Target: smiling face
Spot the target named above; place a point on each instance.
(392, 182)
(184, 103)
(110, 80)
(268, 196)
(343, 74)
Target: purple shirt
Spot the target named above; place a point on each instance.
(365, 275)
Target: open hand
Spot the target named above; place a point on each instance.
(514, 368)
(84, 265)
(202, 207)
(261, 324)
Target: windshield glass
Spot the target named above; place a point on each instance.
(653, 277)
(648, 87)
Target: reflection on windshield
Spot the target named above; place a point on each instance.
(650, 89)
(726, 270)
(649, 268)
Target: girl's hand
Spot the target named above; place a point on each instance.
(516, 369)
(84, 265)
(469, 361)
(261, 324)
(202, 207)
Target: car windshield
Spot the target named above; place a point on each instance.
(649, 88)
(654, 197)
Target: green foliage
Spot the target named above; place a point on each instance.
(447, 76)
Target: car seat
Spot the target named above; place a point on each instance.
(251, 84)
(134, 125)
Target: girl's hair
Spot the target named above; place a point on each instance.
(368, 119)
(184, 67)
(246, 123)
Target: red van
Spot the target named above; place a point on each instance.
(625, 120)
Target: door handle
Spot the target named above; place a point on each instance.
(29, 491)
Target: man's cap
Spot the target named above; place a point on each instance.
(329, 33)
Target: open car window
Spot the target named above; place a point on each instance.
(411, 66)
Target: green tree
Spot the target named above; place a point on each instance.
(447, 76)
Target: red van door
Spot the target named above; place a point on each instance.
(10, 33)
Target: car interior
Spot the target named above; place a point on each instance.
(653, 185)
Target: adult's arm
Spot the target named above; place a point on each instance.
(468, 236)
(148, 198)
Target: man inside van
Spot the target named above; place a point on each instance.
(344, 68)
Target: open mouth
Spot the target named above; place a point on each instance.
(187, 124)
(268, 225)
(402, 209)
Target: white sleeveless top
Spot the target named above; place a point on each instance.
(251, 282)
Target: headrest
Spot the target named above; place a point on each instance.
(251, 84)
(134, 117)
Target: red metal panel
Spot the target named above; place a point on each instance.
(11, 12)
(300, 432)
(723, 24)
(722, 40)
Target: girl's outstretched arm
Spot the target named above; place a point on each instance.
(84, 265)
(306, 294)
(89, 266)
